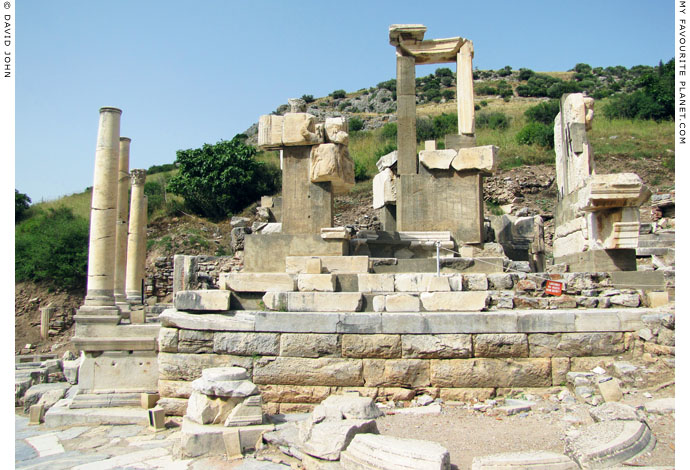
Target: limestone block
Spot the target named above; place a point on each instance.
(34, 394)
(379, 303)
(384, 188)
(237, 388)
(197, 300)
(329, 438)
(408, 282)
(246, 413)
(462, 373)
(257, 282)
(333, 233)
(324, 301)
(387, 160)
(330, 264)
(71, 370)
(36, 414)
(499, 281)
(302, 371)
(542, 460)
(396, 372)
(614, 411)
(189, 366)
(376, 282)
(467, 395)
(332, 162)
(656, 299)
(371, 346)
(475, 281)
(500, 345)
(316, 282)
(313, 265)
(309, 345)
(336, 130)
(246, 344)
(174, 388)
(615, 190)
(436, 283)
(610, 389)
(346, 406)
(270, 134)
(402, 303)
(194, 341)
(388, 453)
(450, 346)
(201, 408)
(560, 366)
(173, 406)
(476, 158)
(437, 159)
(294, 393)
(454, 301)
(236, 321)
(572, 243)
(300, 129)
(429, 145)
(576, 344)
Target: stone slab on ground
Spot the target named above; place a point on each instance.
(661, 406)
(61, 415)
(537, 460)
(373, 451)
(198, 439)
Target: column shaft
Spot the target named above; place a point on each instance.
(407, 126)
(122, 215)
(465, 94)
(137, 224)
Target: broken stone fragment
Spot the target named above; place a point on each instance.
(327, 439)
(437, 159)
(225, 388)
(336, 130)
(347, 406)
(387, 452)
(300, 129)
(270, 134)
(387, 161)
(332, 162)
(246, 413)
(384, 188)
(476, 158)
(203, 409)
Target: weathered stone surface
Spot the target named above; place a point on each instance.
(301, 371)
(295, 322)
(467, 395)
(329, 438)
(246, 413)
(257, 282)
(475, 281)
(196, 300)
(384, 189)
(309, 345)
(294, 393)
(173, 406)
(336, 130)
(376, 282)
(609, 389)
(541, 460)
(437, 159)
(225, 388)
(443, 346)
(316, 282)
(614, 411)
(661, 406)
(499, 281)
(454, 301)
(402, 303)
(387, 160)
(576, 344)
(476, 158)
(34, 394)
(626, 300)
(247, 344)
(219, 374)
(189, 366)
(332, 163)
(314, 301)
(371, 346)
(71, 370)
(195, 341)
(372, 451)
(396, 372)
(346, 406)
(331, 264)
(500, 345)
(237, 321)
(560, 366)
(462, 373)
(299, 129)
(174, 388)
(167, 339)
(202, 409)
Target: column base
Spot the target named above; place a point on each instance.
(124, 307)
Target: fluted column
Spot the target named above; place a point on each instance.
(135, 240)
(101, 270)
(122, 222)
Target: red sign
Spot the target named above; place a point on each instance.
(554, 287)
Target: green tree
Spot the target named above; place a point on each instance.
(52, 247)
(308, 98)
(337, 94)
(544, 112)
(218, 180)
(21, 205)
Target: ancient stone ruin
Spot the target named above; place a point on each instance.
(331, 322)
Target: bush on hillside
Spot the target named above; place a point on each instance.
(308, 98)
(355, 124)
(52, 247)
(543, 112)
(494, 120)
(219, 180)
(153, 169)
(536, 133)
(337, 94)
(21, 205)
(389, 131)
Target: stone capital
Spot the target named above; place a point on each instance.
(108, 109)
(138, 176)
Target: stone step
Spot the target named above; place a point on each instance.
(33, 357)
(656, 244)
(655, 251)
(115, 343)
(329, 264)
(449, 264)
(105, 400)
(666, 236)
(61, 415)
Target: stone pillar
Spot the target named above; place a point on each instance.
(465, 94)
(99, 298)
(137, 224)
(121, 230)
(407, 126)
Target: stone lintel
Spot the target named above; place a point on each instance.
(434, 51)
(405, 33)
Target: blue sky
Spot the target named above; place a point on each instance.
(189, 73)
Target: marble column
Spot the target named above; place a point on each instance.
(100, 298)
(407, 125)
(137, 225)
(465, 94)
(121, 230)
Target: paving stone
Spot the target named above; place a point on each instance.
(374, 451)
(614, 411)
(661, 406)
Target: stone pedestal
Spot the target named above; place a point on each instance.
(136, 238)
(121, 227)
(100, 298)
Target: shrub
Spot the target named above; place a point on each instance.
(308, 98)
(543, 112)
(482, 89)
(425, 129)
(448, 94)
(483, 103)
(525, 74)
(536, 133)
(21, 205)
(337, 94)
(445, 124)
(52, 247)
(361, 173)
(505, 71)
(153, 169)
(389, 130)
(218, 180)
(355, 124)
(443, 72)
(389, 85)
(583, 68)
(494, 120)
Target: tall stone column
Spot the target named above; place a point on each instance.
(407, 125)
(99, 298)
(465, 94)
(121, 230)
(137, 224)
